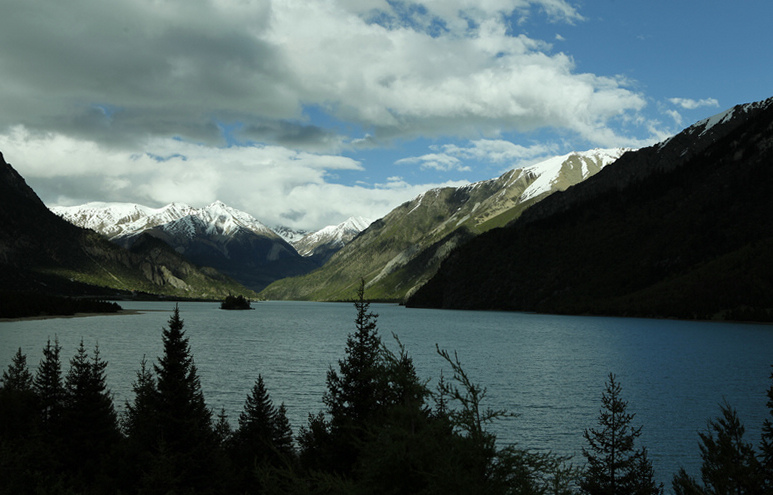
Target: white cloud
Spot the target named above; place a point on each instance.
(675, 115)
(437, 161)
(496, 151)
(177, 68)
(690, 104)
(138, 100)
(276, 185)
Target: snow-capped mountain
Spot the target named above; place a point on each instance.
(289, 234)
(117, 220)
(551, 173)
(322, 244)
(400, 251)
(681, 229)
(217, 235)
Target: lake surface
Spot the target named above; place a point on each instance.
(550, 370)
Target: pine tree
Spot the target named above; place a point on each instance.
(89, 420)
(48, 385)
(140, 425)
(353, 392)
(258, 427)
(186, 440)
(766, 446)
(614, 465)
(729, 463)
(17, 377)
(18, 405)
(139, 421)
(19, 422)
(283, 433)
(263, 440)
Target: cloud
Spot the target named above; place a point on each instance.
(256, 102)
(496, 151)
(277, 185)
(675, 115)
(690, 104)
(179, 68)
(437, 161)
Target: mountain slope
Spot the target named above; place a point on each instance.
(324, 243)
(681, 229)
(41, 252)
(218, 236)
(401, 251)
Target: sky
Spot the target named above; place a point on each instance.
(306, 112)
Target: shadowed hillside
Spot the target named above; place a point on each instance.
(40, 252)
(681, 229)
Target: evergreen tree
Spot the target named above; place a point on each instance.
(766, 446)
(89, 420)
(283, 433)
(729, 463)
(48, 385)
(186, 444)
(614, 465)
(18, 405)
(140, 425)
(20, 442)
(17, 377)
(263, 440)
(353, 392)
(139, 420)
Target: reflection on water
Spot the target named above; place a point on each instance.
(550, 370)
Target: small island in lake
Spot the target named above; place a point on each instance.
(235, 302)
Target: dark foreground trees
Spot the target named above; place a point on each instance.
(731, 465)
(615, 466)
(383, 430)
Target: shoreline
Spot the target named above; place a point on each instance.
(78, 315)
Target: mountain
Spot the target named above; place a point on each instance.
(399, 252)
(324, 243)
(680, 229)
(218, 236)
(41, 252)
(289, 234)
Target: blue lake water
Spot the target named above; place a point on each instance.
(550, 370)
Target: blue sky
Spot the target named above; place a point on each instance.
(303, 113)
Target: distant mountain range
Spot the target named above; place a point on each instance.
(217, 236)
(398, 253)
(680, 229)
(41, 252)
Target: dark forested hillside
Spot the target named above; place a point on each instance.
(40, 252)
(681, 229)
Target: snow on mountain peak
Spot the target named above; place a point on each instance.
(336, 235)
(124, 219)
(548, 172)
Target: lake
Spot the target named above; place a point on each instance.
(550, 370)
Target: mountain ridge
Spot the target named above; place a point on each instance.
(386, 254)
(41, 252)
(216, 235)
(679, 229)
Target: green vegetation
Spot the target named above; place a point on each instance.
(382, 431)
(27, 304)
(235, 302)
(661, 234)
(400, 252)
